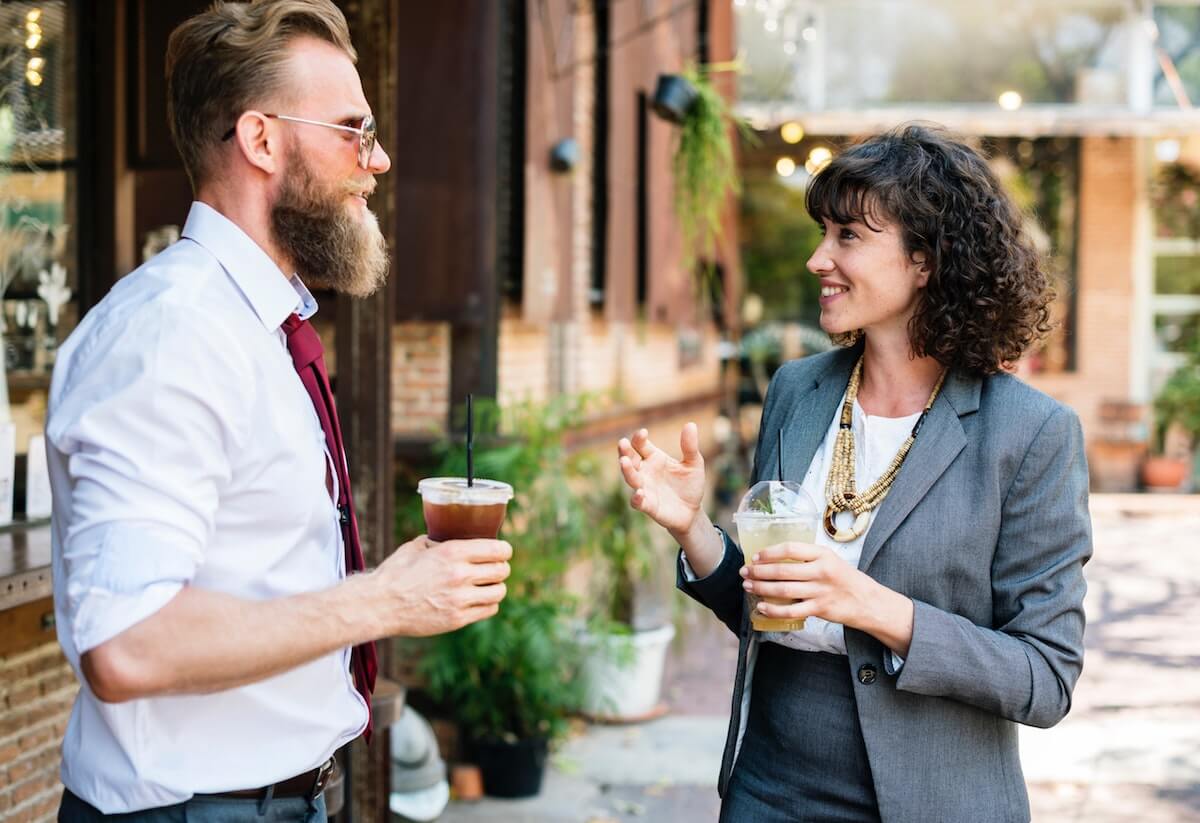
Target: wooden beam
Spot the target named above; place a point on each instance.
(27, 626)
(363, 340)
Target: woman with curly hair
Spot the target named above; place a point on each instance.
(943, 594)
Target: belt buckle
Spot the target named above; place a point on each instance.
(324, 773)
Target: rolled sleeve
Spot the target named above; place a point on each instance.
(145, 445)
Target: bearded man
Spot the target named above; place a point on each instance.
(203, 532)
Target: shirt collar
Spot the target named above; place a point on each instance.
(272, 296)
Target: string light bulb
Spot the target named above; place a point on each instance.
(818, 159)
(1009, 100)
(785, 167)
(791, 132)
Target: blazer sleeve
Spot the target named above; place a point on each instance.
(1025, 668)
(721, 591)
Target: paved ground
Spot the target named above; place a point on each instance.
(1128, 753)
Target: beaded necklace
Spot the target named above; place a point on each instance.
(840, 494)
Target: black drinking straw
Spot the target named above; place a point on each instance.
(470, 443)
(780, 455)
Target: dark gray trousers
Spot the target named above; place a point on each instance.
(202, 809)
(802, 759)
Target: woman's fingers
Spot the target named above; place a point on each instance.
(641, 443)
(625, 449)
(785, 590)
(782, 571)
(790, 551)
(689, 443)
(788, 611)
(633, 478)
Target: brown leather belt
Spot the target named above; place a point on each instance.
(308, 785)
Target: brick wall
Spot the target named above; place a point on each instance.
(37, 688)
(420, 378)
(523, 370)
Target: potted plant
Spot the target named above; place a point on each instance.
(1176, 409)
(511, 682)
(623, 665)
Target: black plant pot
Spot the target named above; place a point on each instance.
(511, 769)
(674, 97)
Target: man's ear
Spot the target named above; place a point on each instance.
(256, 141)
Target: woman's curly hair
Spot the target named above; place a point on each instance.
(987, 298)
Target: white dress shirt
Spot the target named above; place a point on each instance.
(184, 450)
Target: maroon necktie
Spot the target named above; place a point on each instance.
(308, 357)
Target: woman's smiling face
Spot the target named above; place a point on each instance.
(868, 280)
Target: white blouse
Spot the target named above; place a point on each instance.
(876, 441)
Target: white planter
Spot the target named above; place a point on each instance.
(623, 673)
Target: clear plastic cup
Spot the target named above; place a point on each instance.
(455, 510)
(774, 512)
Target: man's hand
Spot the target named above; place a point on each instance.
(427, 588)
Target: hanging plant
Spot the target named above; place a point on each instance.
(705, 168)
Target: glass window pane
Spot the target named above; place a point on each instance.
(37, 184)
(853, 53)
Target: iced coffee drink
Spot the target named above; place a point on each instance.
(456, 510)
(771, 513)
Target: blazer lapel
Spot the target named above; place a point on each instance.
(805, 426)
(940, 440)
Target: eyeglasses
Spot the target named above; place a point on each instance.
(365, 132)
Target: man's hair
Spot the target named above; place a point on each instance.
(986, 301)
(231, 58)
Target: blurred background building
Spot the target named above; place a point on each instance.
(1086, 107)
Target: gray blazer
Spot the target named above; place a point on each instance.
(987, 530)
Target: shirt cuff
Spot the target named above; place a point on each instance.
(689, 574)
(896, 662)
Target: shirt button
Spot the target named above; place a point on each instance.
(866, 674)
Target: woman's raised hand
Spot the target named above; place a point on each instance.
(670, 491)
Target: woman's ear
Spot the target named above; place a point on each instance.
(922, 268)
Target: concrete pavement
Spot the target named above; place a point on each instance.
(1129, 752)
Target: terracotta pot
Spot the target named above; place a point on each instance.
(466, 781)
(1164, 473)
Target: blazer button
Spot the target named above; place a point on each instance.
(866, 674)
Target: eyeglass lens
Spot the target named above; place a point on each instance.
(366, 143)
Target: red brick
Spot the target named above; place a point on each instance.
(23, 695)
(47, 808)
(47, 662)
(35, 738)
(23, 791)
(20, 770)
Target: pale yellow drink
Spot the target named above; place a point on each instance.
(757, 531)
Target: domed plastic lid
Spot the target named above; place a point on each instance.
(777, 500)
(446, 491)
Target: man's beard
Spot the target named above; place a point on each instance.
(330, 247)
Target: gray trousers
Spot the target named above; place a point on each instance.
(802, 759)
(202, 809)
